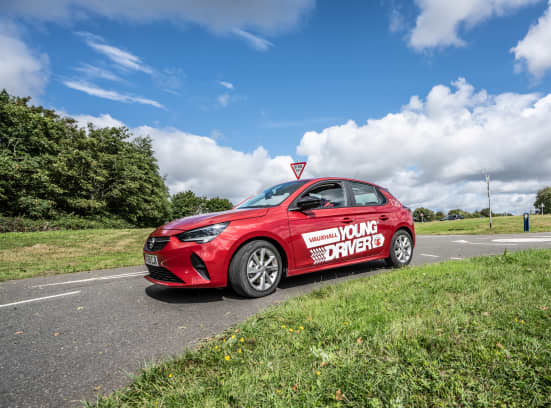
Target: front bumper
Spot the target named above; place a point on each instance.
(189, 264)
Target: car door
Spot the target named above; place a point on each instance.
(315, 232)
(373, 215)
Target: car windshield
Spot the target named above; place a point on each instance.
(272, 196)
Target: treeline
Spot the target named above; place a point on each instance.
(429, 215)
(51, 169)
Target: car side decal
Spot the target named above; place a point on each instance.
(334, 243)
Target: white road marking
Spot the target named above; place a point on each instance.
(523, 240)
(40, 298)
(455, 258)
(462, 241)
(122, 275)
(429, 255)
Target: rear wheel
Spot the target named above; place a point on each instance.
(256, 269)
(401, 249)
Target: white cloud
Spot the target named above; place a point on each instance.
(223, 99)
(121, 58)
(534, 50)
(258, 43)
(217, 170)
(439, 22)
(94, 90)
(219, 16)
(92, 71)
(227, 85)
(101, 121)
(23, 72)
(434, 152)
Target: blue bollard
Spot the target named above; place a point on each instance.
(526, 222)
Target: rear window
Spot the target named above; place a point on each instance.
(366, 194)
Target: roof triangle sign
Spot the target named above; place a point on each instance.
(298, 168)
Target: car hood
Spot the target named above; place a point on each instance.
(201, 220)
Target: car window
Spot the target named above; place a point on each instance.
(331, 195)
(272, 196)
(366, 194)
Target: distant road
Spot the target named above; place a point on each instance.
(68, 337)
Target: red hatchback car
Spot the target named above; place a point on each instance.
(289, 229)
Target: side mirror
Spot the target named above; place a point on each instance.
(307, 203)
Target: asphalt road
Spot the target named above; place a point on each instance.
(70, 337)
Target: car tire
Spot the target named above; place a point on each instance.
(256, 269)
(401, 250)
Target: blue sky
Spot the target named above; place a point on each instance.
(244, 79)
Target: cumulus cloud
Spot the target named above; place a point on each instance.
(217, 15)
(94, 90)
(534, 50)
(199, 163)
(101, 121)
(439, 22)
(23, 72)
(434, 152)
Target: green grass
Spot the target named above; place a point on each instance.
(29, 254)
(472, 333)
(500, 225)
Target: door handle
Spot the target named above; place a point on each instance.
(347, 220)
(383, 217)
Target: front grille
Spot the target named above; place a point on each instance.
(156, 243)
(162, 274)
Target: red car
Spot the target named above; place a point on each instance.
(289, 229)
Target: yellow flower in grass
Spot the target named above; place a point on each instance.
(318, 372)
(170, 375)
(227, 358)
(216, 347)
(239, 351)
(282, 326)
(233, 336)
(291, 330)
(516, 320)
(301, 328)
(278, 391)
(522, 321)
(242, 340)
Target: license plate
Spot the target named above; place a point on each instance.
(151, 260)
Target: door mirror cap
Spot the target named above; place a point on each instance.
(307, 203)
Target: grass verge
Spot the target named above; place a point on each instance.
(500, 225)
(29, 254)
(463, 333)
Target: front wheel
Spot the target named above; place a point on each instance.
(256, 269)
(401, 249)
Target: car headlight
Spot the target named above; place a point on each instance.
(203, 234)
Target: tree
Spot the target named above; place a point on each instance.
(439, 215)
(428, 215)
(218, 204)
(186, 203)
(459, 211)
(544, 197)
(50, 167)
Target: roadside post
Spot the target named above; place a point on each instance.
(422, 217)
(526, 222)
(542, 206)
(298, 168)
